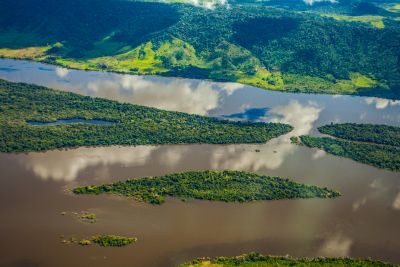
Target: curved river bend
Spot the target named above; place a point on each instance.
(364, 222)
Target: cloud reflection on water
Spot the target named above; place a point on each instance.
(65, 165)
(301, 116)
(396, 202)
(381, 103)
(174, 95)
(61, 72)
(336, 245)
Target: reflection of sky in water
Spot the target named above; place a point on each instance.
(66, 165)
(367, 191)
(252, 114)
(303, 112)
(199, 97)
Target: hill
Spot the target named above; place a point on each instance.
(334, 49)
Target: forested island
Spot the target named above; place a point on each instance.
(258, 260)
(376, 145)
(132, 124)
(371, 133)
(228, 186)
(350, 47)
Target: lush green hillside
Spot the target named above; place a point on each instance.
(127, 124)
(337, 49)
(257, 260)
(229, 186)
(376, 145)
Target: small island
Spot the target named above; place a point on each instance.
(113, 240)
(102, 240)
(228, 186)
(126, 124)
(375, 145)
(258, 260)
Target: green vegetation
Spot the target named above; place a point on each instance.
(71, 240)
(295, 140)
(89, 217)
(134, 125)
(351, 49)
(257, 260)
(113, 240)
(376, 21)
(84, 242)
(371, 133)
(229, 186)
(393, 7)
(376, 145)
(102, 240)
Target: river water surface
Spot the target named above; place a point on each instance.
(364, 222)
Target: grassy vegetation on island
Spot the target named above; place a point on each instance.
(376, 145)
(134, 125)
(376, 21)
(258, 260)
(229, 186)
(113, 240)
(282, 49)
(102, 240)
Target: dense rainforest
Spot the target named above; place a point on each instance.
(258, 260)
(351, 47)
(376, 145)
(229, 186)
(372, 133)
(130, 124)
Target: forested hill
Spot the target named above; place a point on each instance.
(351, 48)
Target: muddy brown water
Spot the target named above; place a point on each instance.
(364, 222)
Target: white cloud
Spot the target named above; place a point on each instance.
(311, 2)
(336, 246)
(175, 95)
(396, 202)
(318, 154)
(172, 156)
(62, 72)
(273, 154)
(359, 203)
(301, 117)
(230, 88)
(381, 103)
(209, 4)
(66, 165)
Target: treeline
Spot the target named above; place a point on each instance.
(80, 24)
(372, 133)
(263, 46)
(134, 125)
(228, 186)
(256, 259)
(376, 145)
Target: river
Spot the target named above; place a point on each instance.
(364, 222)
